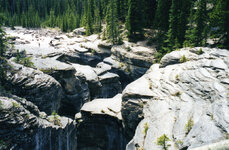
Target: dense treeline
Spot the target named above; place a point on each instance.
(3, 47)
(175, 23)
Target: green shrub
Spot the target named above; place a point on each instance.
(93, 52)
(121, 65)
(55, 119)
(163, 142)
(2, 145)
(158, 57)
(15, 105)
(177, 94)
(177, 77)
(183, 59)
(188, 126)
(146, 128)
(120, 41)
(128, 49)
(212, 117)
(128, 70)
(150, 85)
(227, 136)
(26, 61)
(179, 143)
(47, 71)
(200, 51)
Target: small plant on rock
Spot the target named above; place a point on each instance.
(120, 41)
(2, 144)
(128, 49)
(150, 85)
(121, 65)
(146, 128)
(26, 61)
(179, 143)
(15, 105)
(188, 126)
(55, 119)
(212, 117)
(141, 104)
(163, 142)
(93, 52)
(227, 136)
(177, 94)
(183, 59)
(177, 77)
(200, 51)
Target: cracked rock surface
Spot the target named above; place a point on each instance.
(171, 96)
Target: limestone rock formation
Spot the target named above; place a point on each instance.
(133, 58)
(24, 127)
(100, 127)
(75, 87)
(222, 145)
(37, 87)
(186, 100)
(101, 83)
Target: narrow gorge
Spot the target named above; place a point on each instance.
(78, 92)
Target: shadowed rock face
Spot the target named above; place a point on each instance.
(37, 87)
(24, 127)
(134, 59)
(174, 96)
(100, 127)
(74, 85)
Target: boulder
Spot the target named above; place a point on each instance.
(186, 101)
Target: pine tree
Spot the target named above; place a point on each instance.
(177, 26)
(112, 22)
(122, 9)
(150, 12)
(219, 20)
(37, 20)
(97, 21)
(161, 20)
(52, 20)
(88, 17)
(3, 39)
(64, 23)
(172, 42)
(135, 19)
(196, 34)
